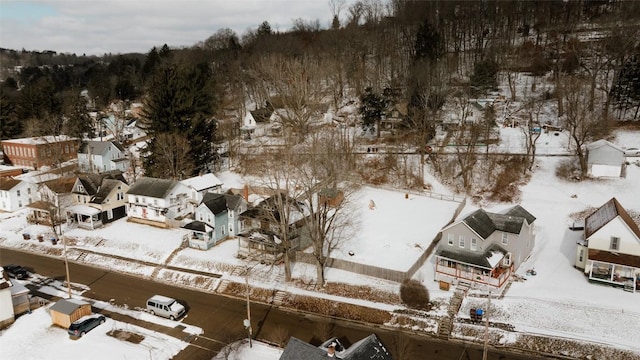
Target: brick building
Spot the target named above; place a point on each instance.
(40, 151)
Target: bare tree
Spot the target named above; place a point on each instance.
(533, 128)
(581, 123)
(294, 83)
(174, 156)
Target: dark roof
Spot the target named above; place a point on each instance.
(297, 349)
(485, 223)
(196, 226)
(98, 147)
(369, 348)
(152, 187)
(67, 306)
(104, 190)
(8, 183)
(519, 211)
(219, 203)
(262, 115)
(473, 258)
(481, 223)
(605, 213)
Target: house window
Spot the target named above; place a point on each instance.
(474, 244)
(19, 203)
(505, 238)
(201, 217)
(78, 198)
(222, 229)
(209, 218)
(461, 241)
(615, 243)
(29, 191)
(18, 192)
(155, 202)
(581, 256)
(230, 215)
(137, 200)
(450, 239)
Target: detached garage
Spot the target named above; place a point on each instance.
(66, 311)
(605, 159)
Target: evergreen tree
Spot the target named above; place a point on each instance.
(428, 43)
(372, 107)
(78, 122)
(181, 101)
(10, 126)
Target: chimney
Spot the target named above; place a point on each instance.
(246, 192)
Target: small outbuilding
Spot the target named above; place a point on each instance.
(605, 159)
(66, 311)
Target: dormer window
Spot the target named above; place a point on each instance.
(505, 238)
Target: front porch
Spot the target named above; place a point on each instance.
(452, 271)
(83, 216)
(200, 236)
(623, 276)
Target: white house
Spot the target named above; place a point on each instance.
(6, 305)
(201, 185)
(610, 251)
(16, 194)
(157, 201)
(101, 156)
(605, 159)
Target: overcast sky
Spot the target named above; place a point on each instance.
(95, 27)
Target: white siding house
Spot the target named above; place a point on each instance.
(610, 252)
(16, 194)
(101, 156)
(157, 201)
(201, 185)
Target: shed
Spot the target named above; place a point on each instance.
(605, 159)
(66, 311)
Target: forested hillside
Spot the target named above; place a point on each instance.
(419, 56)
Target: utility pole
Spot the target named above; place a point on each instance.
(247, 321)
(486, 329)
(66, 265)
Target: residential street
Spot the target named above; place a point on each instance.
(221, 317)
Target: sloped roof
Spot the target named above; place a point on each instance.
(297, 349)
(600, 143)
(604, 214)
(152, 187)
(7, 184)
(67, 306)
(219, 203)
(202, 182)
(485, 223)
(198, 226)
(369, 348)
(104, 190)
(98, 147)
(473, 258)
(61, 185)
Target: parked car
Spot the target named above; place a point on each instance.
(83, 325)
(632, 152)
(165, 306)
(16, 271)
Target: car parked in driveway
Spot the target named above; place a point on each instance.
(632, 152)
(16, 271)
(83, 325)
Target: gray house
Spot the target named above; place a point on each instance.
(484, 249)
(605, 159)
(100, 156)
(216, 218)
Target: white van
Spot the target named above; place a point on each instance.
(165, 306)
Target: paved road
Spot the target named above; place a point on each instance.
(221, 317)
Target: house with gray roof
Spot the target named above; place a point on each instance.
(370, 348)
(101, 156)
(484, 248)
(99, 199)
(158, 202)
(216, 218)
(610, 250)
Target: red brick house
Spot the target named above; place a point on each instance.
(40, 151)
